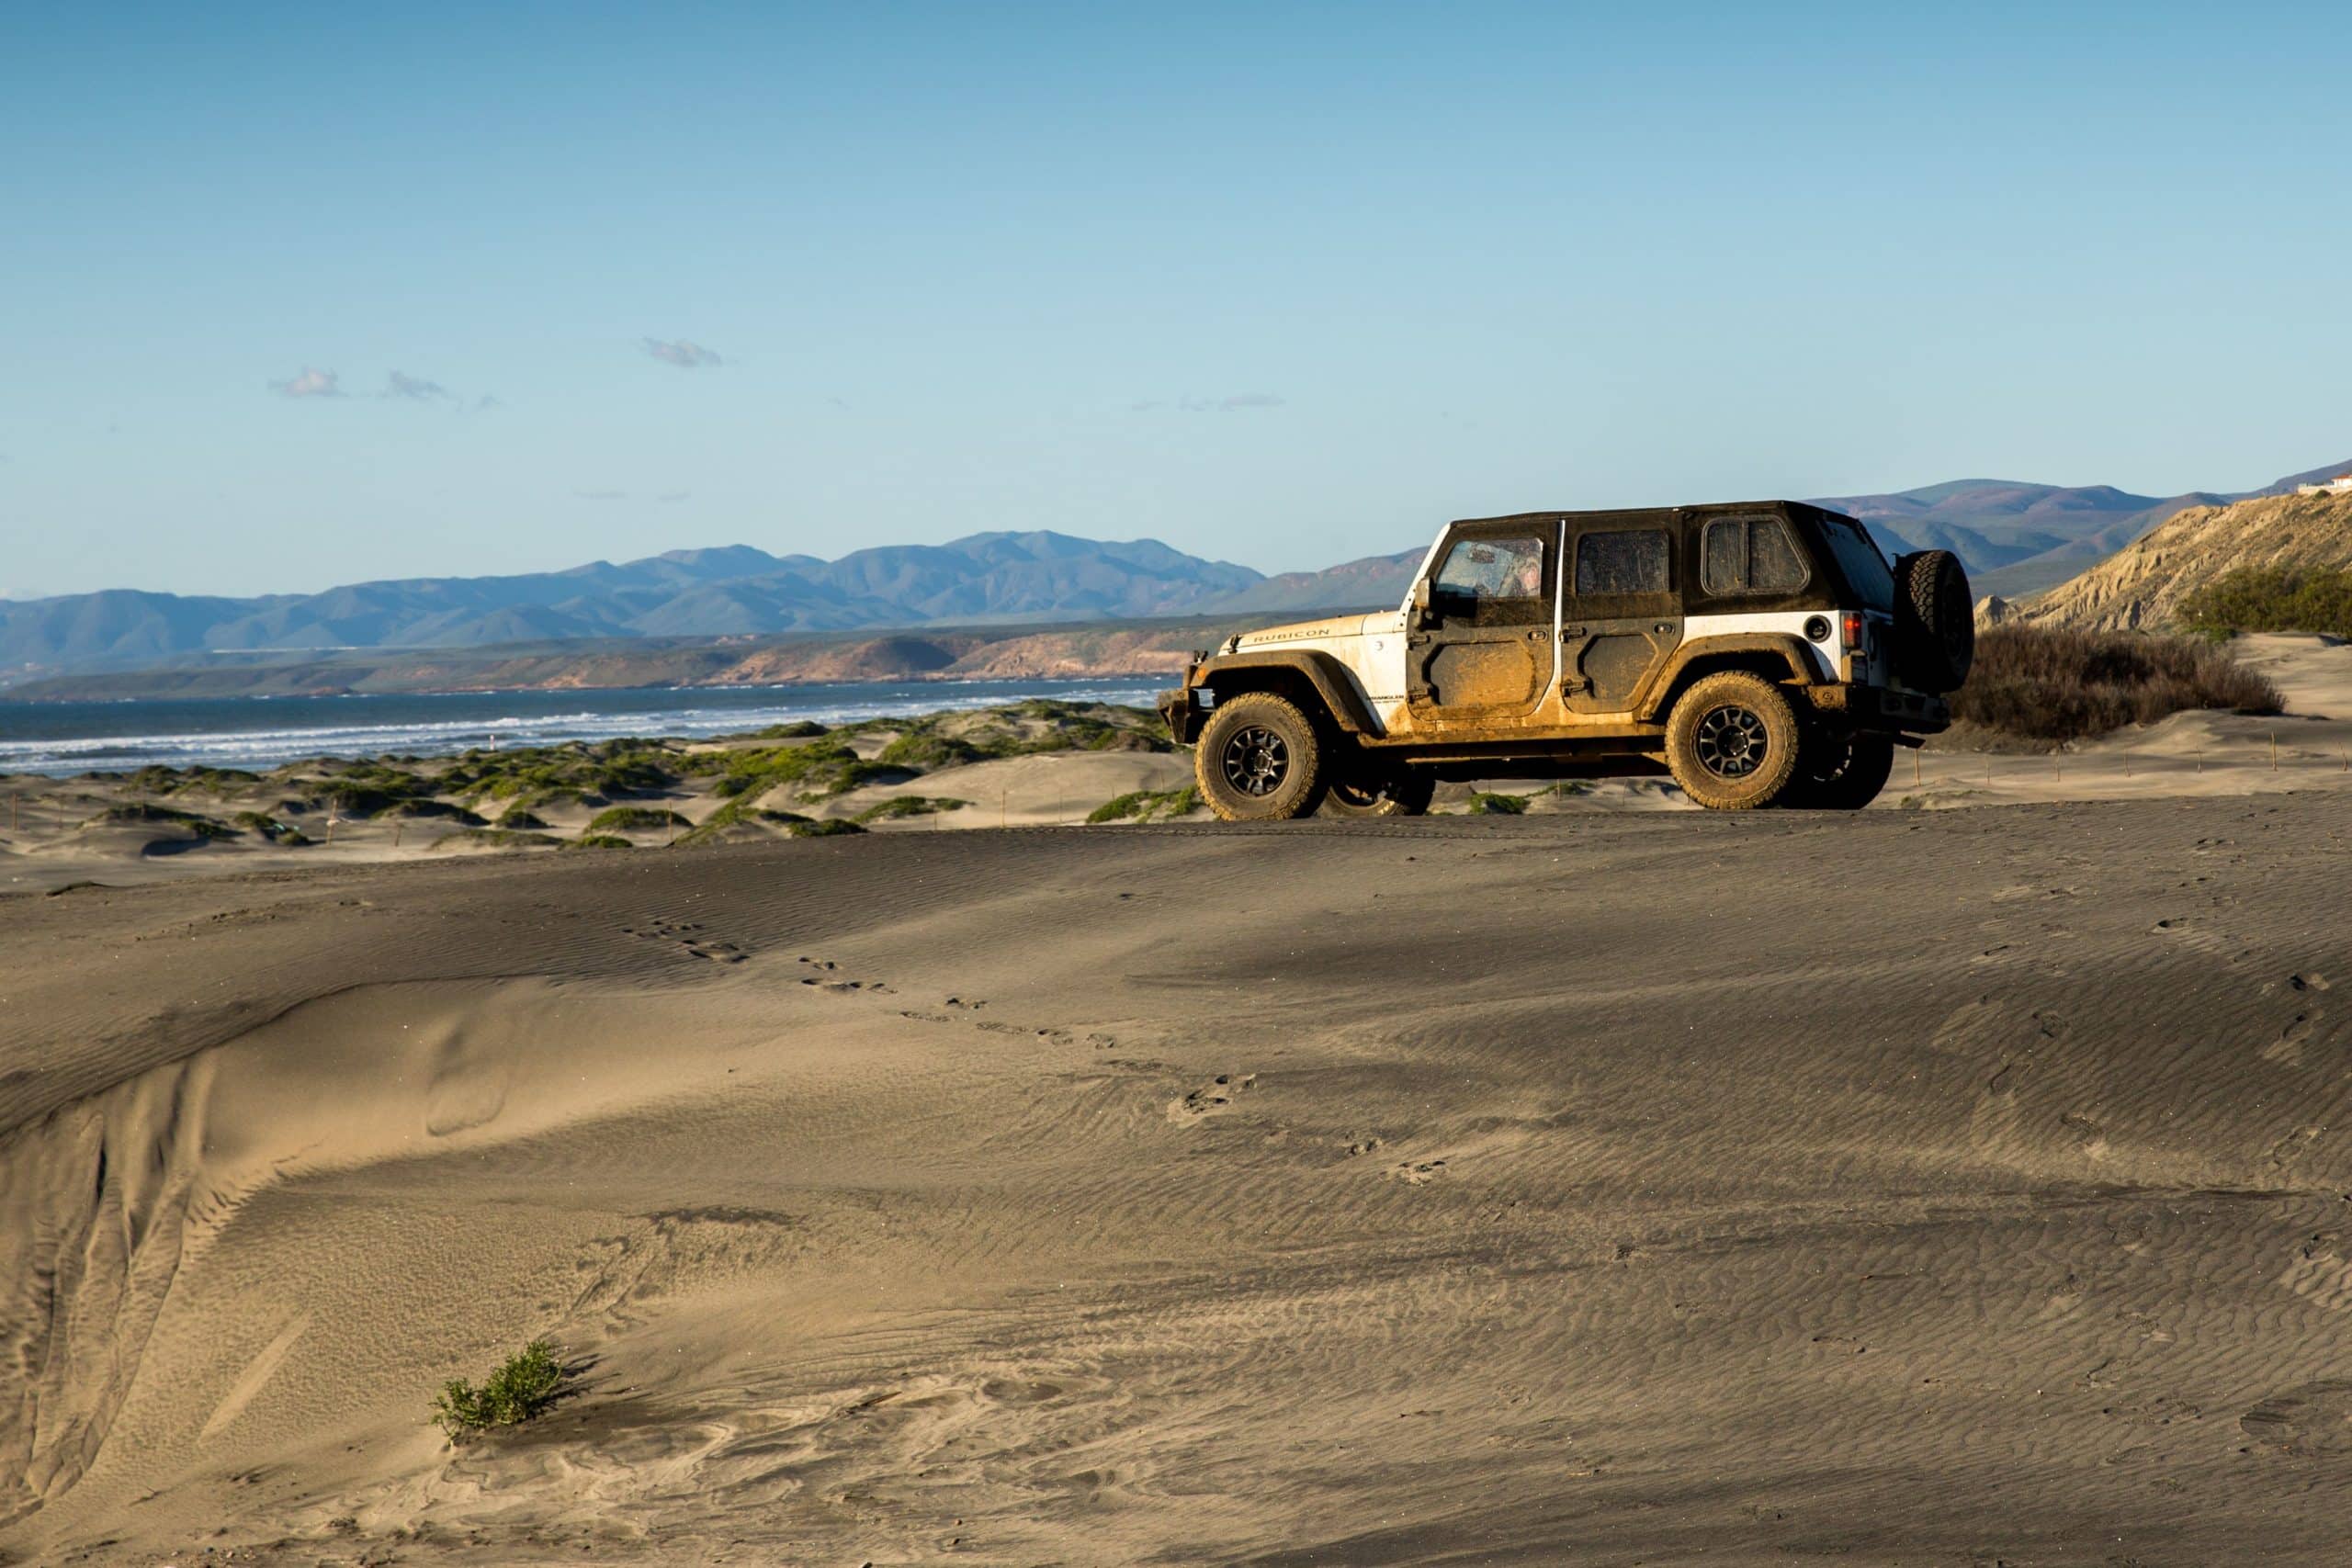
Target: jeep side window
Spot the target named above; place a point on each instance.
(1749, 555)
(1631, 560)
(1492, 569)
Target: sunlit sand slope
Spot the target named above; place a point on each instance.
(1902, 1188)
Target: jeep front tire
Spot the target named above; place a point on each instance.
(1260, 760)
(1730, 742)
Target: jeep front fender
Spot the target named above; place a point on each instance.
(1272, 669)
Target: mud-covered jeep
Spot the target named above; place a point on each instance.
(1763, 653)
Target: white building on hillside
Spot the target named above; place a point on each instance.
(2340, 485)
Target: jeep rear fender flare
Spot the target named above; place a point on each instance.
(1774, 655)
(1232, 673)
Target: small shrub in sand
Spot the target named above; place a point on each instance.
(825, 829)
(147, 811)
(270, 827)
(599, 841)
(424, 810)
(1146, 805)
(635, 819)
(2044, 683)
(2271, 599)
(517, 1390)
(494, 838)
(1487, 804)
(925, 748)
(910, 806)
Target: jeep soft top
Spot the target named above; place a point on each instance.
(1762, 652)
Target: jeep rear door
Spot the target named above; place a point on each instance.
(1484, 653)
(1620, 618)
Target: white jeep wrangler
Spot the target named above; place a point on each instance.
(1764, 654)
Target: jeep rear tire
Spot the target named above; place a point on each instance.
(1935, 622)
(1732, 742)
(1260, 760)
(1367, 789)
(1840, 774)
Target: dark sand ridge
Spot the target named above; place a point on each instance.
(1904, 1188)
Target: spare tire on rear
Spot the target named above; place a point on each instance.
(1935, 622)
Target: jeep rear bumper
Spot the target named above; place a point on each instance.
(1884, 708)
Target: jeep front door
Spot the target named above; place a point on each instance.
(1483, 652)
(1620, 619)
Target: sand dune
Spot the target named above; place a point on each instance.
(1956, 1186)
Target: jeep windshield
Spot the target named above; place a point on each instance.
(1859, 562)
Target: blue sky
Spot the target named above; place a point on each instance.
(1280, 284)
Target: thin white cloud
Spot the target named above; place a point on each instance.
(674, 495)
(1233, 402)
(679, 352)
(602, 494)
(416, 388)
(310, 384)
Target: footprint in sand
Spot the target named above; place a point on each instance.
(1417, 1173)
(1210, 1098)
(687, 936)
(2313, 1419)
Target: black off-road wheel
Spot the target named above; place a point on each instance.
(1839, 773)
(1260, 760)
(1732, 742)
(1366, 789)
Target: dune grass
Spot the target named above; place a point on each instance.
(523, 1387)
(2048, 684)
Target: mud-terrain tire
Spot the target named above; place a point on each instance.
(1935, 622)
(1840, 774)
(1368, 790)
(1732, 742)
(1260, 760)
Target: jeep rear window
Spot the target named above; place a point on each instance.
(1859, 562)
(1630, 561)
(1750, 555)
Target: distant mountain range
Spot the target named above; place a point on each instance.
(2015, 538)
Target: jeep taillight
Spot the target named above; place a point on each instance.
(1852, 628)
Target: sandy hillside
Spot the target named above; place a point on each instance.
(1950, 1186)
(2143, 584)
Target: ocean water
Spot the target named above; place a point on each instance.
(261, 732)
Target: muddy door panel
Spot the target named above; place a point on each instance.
(1483, 651)
(1606, 662)
(1620, 620)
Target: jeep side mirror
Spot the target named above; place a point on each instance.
(1420, 599)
